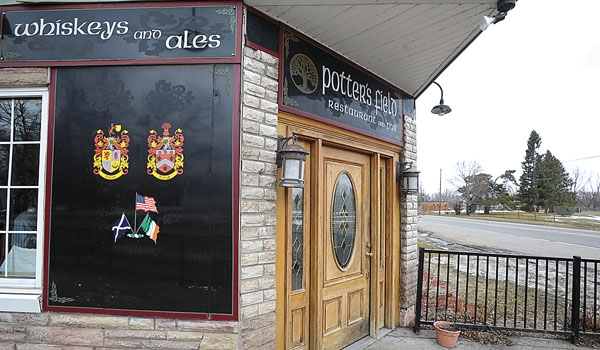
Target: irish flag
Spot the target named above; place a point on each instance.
(150, 227)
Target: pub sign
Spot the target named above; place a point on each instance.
(321, 86)
(119, 33)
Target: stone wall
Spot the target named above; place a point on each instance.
(258, 196)
(409, 259)
(24, 77)
(87, 332)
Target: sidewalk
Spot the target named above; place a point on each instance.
(405, 338)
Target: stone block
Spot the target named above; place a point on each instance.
(252, 77)
(268, 106)
(88, 321)
(251, 298)
(165, 324)
(141, 323)
(254, 65)
(66, 336)
(220, 342)
(134, 334)
(24, 77)
(254, 89)
(252, 271)
(185, 336)
(251, 219)
(249, 233)
(208, 326)
(254, 114)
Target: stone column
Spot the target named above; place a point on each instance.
(258, 197)
(409, 258)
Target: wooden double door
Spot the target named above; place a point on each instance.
(335, 250)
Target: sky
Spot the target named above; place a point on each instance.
(539, 69)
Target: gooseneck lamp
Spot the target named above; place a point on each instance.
(441, 109)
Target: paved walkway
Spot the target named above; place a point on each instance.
(405, 338)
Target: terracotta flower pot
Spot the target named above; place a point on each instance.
(445, 333)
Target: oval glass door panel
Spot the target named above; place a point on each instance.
(343, 220)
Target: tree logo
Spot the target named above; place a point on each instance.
(304, 73)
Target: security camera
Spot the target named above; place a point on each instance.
(505, 5)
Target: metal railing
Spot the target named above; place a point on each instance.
(510, 292)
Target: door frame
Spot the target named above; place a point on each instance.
(384, 155)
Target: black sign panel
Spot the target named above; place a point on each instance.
(119, 33)
(319, 85)
(166, 134)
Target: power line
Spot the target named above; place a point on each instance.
(574, 160)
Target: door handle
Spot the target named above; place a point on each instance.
(369, 254)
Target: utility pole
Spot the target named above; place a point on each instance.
(440, 201)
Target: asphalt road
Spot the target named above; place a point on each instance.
(522, 238)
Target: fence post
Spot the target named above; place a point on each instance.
(576, 297)
(417, 328)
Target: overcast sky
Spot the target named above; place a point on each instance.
(539, 69)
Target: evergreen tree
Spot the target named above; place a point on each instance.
(553, 184)
(527, 189)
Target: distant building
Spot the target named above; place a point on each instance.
(425, 206)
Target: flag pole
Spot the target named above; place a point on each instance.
(135, 215)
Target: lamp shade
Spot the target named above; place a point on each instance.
(410, 181)
(292, 159)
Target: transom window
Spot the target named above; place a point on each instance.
(23, 117)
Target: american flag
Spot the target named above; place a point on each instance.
(145, 203)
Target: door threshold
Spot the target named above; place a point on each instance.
(366, 341)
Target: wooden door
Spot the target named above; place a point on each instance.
(335, 259)
(342, 292)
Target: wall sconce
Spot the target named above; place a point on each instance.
(291, 160)
(441, 109)
(409, 177)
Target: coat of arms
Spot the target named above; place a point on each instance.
(165, 153)
(110, 158)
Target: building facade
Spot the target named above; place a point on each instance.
(140, 186)
(429, 206)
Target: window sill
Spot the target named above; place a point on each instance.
(20, 303)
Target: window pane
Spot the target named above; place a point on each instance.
(19, 262)
(3, 201)
(23, 216)
(27, 115)
(297, 238)
(5, 113)
(24, 240)
(25, 165)
(2, 253)
(4, 154)
(343, 220)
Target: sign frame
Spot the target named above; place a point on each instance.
(178, 43)
(321, 85)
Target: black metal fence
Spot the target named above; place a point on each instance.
(511, 292)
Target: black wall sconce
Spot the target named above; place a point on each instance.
(408, 176)
(441, 109)
(291, 158)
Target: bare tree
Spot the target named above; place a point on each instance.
(589, 196)
(471, 183)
